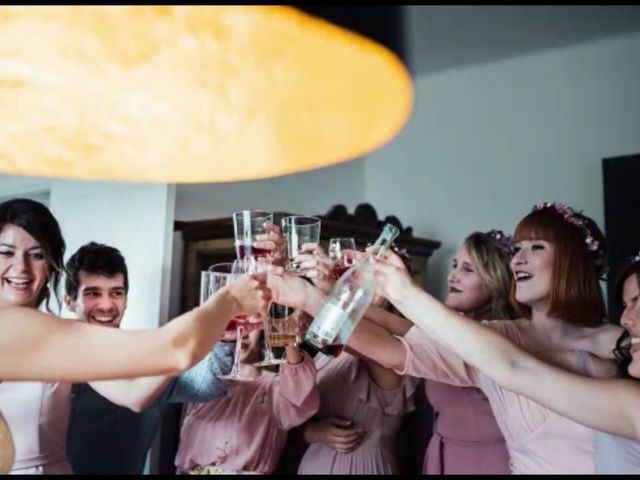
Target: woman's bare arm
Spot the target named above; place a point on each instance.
(37, 346)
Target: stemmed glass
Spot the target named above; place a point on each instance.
(284, 326)
(216, 277)
(298, 230)
(341, 255)
(247, 225)
(269, 357)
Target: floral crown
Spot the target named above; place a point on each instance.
(570, 216)
(505, 242)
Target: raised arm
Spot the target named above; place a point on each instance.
(202, 383)
(198, 384)
(373, 342)
(607, 405)
(36, 346)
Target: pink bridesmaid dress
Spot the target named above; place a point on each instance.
(538, 439)
(466, 438)
(347, 391)
(247, 430)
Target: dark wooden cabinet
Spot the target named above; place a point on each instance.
(207, 242)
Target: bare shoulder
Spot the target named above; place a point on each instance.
(599, 341)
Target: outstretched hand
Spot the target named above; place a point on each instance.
(392, 277)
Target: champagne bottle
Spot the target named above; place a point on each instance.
(349, 299)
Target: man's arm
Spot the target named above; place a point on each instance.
(202, 383)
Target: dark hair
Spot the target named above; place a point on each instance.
(36, 219)
(97, 259)
(622, 354)
(632, 267)
(576, 296)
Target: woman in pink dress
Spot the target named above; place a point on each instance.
(466, 438)
(609, 406)
(559, 258)
(246, 431)
(361, 410)
(362, 404)
(31, 256)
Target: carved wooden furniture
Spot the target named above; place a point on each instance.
(207, 242)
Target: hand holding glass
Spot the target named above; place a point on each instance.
(247, 225)
(341, 255)
(297, 231)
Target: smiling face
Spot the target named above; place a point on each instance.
(101, 300)
(630, 320)
(24, 269)
(466, 291)
(532, 267)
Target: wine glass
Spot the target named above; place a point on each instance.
(269, 357)
(341, 255)
(249, 265)
(298, 230)
(247, 224)
(218, 276)
(269, 336)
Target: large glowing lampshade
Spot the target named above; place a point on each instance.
(190, 94)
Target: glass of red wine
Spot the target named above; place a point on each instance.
(247, 225)
(341, 255)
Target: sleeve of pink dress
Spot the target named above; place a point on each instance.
(295, 394)
(426, 358)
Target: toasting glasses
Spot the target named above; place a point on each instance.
(215, 278)
(247, 225)
(298, 230)
(341, 255)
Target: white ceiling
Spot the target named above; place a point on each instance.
(445, 37)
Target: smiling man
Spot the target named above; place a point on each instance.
(97, 285)
(104, 437)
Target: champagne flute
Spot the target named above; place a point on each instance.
(228, 273)
(253, 266)
(341, 255)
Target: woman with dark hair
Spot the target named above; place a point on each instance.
(557, 265)
(36, 346)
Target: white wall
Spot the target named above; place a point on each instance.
(35, 188)
(487, 142)
(136, 219)
(310, 192)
